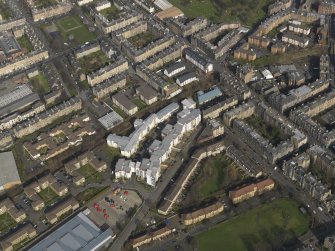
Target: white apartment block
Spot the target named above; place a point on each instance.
(129, 145)
(150, 169)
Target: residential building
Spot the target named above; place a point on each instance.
(249, 191)
(150, 237)
(124, 103)
(23, 233)
(279, 6)
(147, 94)
(326, 7)
(198, 60)
(187, 79)
(8, 206)
(56, 212)
(149, 169)
(88, 158)
(294, 39)
(174, 69)
(202, 214)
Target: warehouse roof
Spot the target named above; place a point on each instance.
(80, 233)
(8, 169)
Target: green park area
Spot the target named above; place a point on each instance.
(6, 222)
(266, 130)
(48, 196)
(40, 84)
(25, 43)
(93, 61)
(248, 12)
(72, 28)
(267, 227)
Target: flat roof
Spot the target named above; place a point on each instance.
(170, 12)
(8, 169)
(79, 233)
(208, 96)
(19, 92)
(146, 91)
(124, 101)
(110, 120)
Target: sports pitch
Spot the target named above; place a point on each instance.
(74, 26)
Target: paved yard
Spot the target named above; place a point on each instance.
(116, 209)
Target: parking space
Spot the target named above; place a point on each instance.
(110, 208)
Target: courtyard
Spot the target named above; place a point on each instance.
(93, 61)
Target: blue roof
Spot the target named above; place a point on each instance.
(208, 96)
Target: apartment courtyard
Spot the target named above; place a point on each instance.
(93, 62)
(266, 130)
(143, 39)
(48, 196)
(111, 12)
(41, 4)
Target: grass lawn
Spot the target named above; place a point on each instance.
(110, 13)
(266, 130)
(48, 196)
(84, 85)
(142, 39)
(139, 103)
(73, 26)
(40, 84)
(71, 88)
(291, 57)
(225, 10)
(5, 11)
(215, 174)
(21, 244)
(214, 170)
(264, 228)
(109, 153)
(89, 193)
(6, 222)
(25, 43)
(93, 61)
(91, 176)
(40, 4)
(59, 138)
(120, 112)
